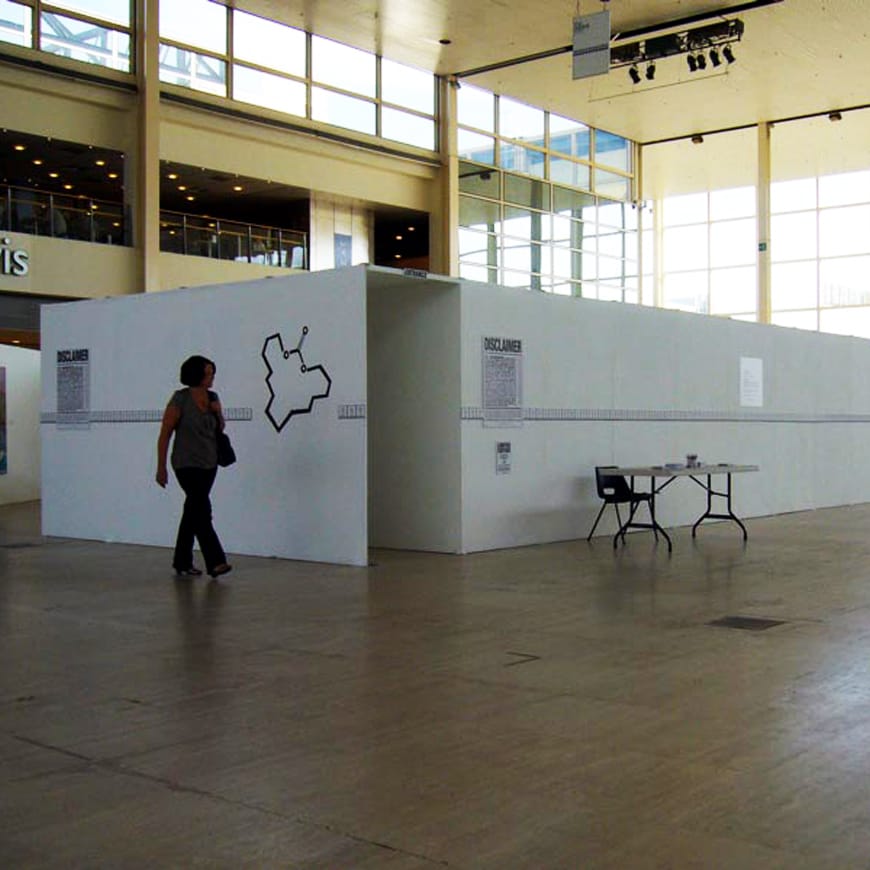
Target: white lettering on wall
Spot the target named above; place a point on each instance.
(13, 261)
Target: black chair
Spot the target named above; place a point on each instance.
(614, 489)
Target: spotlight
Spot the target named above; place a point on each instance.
(697, 139)
(650, 71)
(635, 75)
(728, 54)
(835, 116)
(701, 61)
(714, 57)
(693, 64)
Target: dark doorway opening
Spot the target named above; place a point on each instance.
(402, 240)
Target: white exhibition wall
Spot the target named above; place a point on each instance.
(606, 383)
(19, 480)
(400, 453)
(299, 487)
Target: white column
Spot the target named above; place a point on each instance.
(443, 234)
(763, 218)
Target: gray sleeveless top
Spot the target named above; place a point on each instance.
(194, 444)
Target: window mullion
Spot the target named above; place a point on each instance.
(378, 95)
(308, 75)
(230, 56)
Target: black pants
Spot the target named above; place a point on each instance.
(196, 520)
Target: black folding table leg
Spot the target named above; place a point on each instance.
(621, 529)
(733, 515)
(655, 523)
(709, 490)
(709, 515)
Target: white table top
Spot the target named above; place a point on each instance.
(680, 471)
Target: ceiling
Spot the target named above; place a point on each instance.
(68, 169)
(796, 58)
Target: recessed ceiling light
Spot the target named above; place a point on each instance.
(238, 187)
(100, 162)
(397, 256)
(182, 187)
(398, 238)
(190, 198)
(113, 175)
(37, 162)
(411, 229)
(20, 147)
(67, 187)
(172, 176)
(54, 175)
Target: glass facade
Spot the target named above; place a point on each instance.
(545, 201)
(97, 32)
(273, 66)
(16, 24)
(708, 252)
(820, 253)
(237, 55)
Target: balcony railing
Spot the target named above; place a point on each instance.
(229, 240)
(39, 213)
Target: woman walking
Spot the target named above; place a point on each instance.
(194, 414)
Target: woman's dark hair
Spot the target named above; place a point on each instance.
(193, 370)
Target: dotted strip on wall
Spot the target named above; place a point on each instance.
(130, 416)
(647, 415)
(357, 411)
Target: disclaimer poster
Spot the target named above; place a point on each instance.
(3, 463)
(74, 388)
(502, 381)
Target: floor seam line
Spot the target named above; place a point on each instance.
(173, 785)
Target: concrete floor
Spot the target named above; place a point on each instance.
(557, 706)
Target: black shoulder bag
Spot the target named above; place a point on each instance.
(225, 453)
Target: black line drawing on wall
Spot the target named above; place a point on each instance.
(294, 387)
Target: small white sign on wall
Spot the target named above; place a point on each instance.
(751, 382)
(503, 457)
